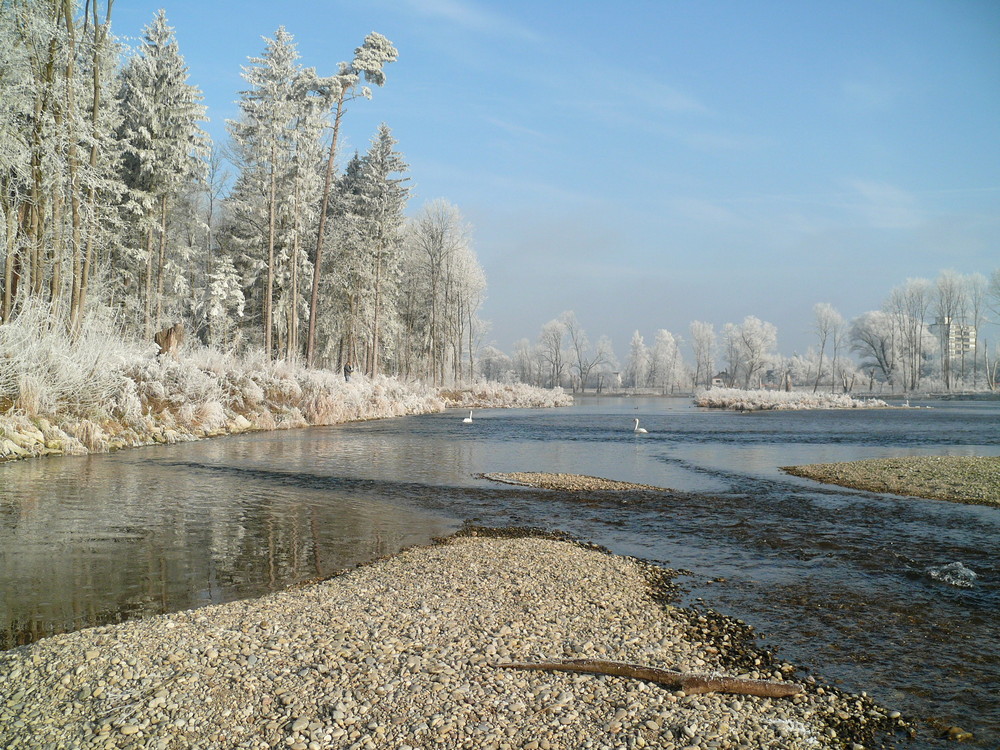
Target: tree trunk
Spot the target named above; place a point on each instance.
(100, 34)
(161, 262)
(317, 262)
(292, 352)
(689, 682)
(374, 355)
(148, 308)
(269, 286)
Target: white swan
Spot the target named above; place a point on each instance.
(637, 428)
(468, 419)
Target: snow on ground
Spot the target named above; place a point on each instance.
(737, 399)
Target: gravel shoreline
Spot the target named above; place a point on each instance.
(401, 653)
(568, 482)
(959, 479)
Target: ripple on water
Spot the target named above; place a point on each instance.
(954, 574)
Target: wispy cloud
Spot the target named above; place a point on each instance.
(662, 98)
(873, 91)
(516, 129)
(886, 206)
(471, 16)
(703, 212)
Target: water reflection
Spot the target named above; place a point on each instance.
(100, 539)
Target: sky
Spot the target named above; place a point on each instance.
(650, 163)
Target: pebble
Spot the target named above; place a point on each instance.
(402, 654)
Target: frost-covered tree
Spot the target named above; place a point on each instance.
(637, 364)
(874, 338)
(445, 287)
(665, 361)
(748, 346)
(525, 363)
(367, 253)
(385, 196)
(609, 368)
(826, 321)
(703, 342)
(164, 153)
(56, 159)
(495, 365)
(993, 293)
(335, 92)
(907, 305)
(584, 359)
(551, 351)
(976, 285)
(949, 303)
(276, 142)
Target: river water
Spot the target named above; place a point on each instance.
(899, 597)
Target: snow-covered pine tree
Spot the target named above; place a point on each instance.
(164, 152)
(383, 197)
(277, 143)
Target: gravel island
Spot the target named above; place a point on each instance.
(403, 653)
(960, 479)
(568, 482)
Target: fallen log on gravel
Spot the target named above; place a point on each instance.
(689, 682)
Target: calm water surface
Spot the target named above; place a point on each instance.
(847, 584)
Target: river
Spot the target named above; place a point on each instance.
(899, 597)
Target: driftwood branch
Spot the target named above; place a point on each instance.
(689, 682)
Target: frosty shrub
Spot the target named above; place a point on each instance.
(737, 399)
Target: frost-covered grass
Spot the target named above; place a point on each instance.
(44, 370)
(740, 400)
(489, 394)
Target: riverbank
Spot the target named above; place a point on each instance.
(204, 394)
(959, 479)
(403, 653)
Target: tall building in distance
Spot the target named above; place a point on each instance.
(956, 338)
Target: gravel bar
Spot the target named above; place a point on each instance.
(401, 653)
(569, 482)
(959, 479)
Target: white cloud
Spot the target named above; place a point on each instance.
(886, 206)
(471, 16)
(871, 94)
(702, 211)
(516, 129)
(663, 98)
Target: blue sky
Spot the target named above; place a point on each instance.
(647, 164)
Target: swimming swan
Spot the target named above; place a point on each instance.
(637, 428)
(468, 419)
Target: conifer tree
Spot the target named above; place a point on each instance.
(164, 151)
(277, 145)
(383, 200)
